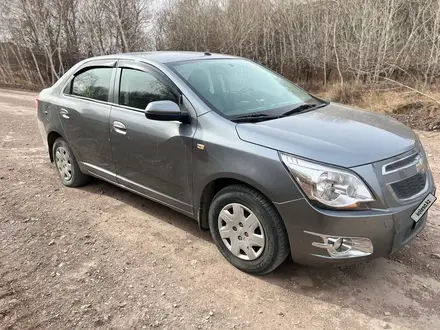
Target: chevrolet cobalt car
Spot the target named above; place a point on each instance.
(268, 168)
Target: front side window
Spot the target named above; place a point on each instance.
(138, 88)
(237, 87)
(93, 84)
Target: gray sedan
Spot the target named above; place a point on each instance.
(268, 168)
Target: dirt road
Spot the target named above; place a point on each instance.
(101, 257)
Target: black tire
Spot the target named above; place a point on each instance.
(276, 247)
(77, 178)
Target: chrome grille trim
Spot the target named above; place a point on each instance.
(416, 159)
(403, 176)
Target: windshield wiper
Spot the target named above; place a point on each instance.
(256, 117)
(253, 118)
(303, 107)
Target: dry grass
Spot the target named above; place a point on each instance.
(410, 107)
(386, 99)
(20, 84)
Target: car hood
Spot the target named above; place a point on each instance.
(335, 134)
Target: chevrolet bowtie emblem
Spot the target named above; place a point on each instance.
(420, 165)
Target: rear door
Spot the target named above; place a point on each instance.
(151, 157)
(85, 115)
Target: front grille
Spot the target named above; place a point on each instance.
(401, 163)
(409, 187)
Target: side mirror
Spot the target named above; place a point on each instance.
(165, 111)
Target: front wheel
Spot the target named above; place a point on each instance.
(247, 230)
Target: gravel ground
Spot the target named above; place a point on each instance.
(101, 257)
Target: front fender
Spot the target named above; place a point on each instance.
(224, 155)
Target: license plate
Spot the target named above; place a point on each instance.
(423, 207)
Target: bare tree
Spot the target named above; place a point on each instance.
(316, 41)
(360, 40)
(41, 39)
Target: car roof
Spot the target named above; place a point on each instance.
(166, 56)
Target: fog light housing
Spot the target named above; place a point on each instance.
(340, 247)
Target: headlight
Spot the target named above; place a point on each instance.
(330, 186)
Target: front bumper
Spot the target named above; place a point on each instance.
(388, 230)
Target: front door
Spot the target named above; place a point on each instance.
(151, 157)
(84, 116)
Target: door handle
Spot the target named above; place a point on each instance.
(119, 127)
(64, 113)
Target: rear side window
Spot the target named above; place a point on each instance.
(93, 84)
(138, 88)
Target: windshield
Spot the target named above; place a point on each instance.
(238, 87)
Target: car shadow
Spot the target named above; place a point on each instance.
(153, 208)
(383, 288)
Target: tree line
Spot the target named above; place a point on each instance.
(41, 39)
(319, 41)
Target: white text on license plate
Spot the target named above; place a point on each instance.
(423, 207)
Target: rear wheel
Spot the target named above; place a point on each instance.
(67, 166)
(247, 230)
